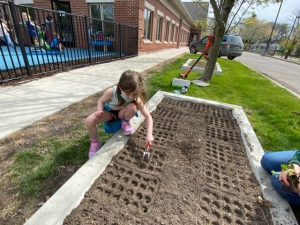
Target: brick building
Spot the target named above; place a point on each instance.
(161, 23)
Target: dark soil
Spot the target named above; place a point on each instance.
(198, 174)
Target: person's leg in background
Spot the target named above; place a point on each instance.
(271, 161)
(9, 41)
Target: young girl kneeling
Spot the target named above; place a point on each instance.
(117, 106)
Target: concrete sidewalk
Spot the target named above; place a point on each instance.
(27, 103)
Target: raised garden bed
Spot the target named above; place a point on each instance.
(199, 174)
(200, 66)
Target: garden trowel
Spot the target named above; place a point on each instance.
(147, 153)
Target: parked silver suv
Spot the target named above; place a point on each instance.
(231, 46)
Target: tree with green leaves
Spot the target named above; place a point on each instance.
(222, 10)
(201, 24)
(254, 30)
(242, 9)
(294, 42)
(239, 11)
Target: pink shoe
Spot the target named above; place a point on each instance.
(127, 129)
(95, 146)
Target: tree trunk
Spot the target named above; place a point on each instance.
(213, 56)
(287, 54)
(221, 17)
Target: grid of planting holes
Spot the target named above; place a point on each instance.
(133, 184)
(220, 122)
(220, 208)
(224, 135)
(228, 178)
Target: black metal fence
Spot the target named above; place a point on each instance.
(38, 41)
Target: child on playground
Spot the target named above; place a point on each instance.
(117, 106)
(56, 43)
(4, 33)
(287, 186)
(32, 28)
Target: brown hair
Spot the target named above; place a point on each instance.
(131, 81)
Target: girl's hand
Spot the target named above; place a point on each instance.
(149, 140)
(283, 178)
(283, 175)
(99, 114)
(297, 169)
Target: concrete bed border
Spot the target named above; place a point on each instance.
(69, 196)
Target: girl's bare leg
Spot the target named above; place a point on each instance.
(126, 114)
(92, 121)
(91, 125)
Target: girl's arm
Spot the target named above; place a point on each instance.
(107, 95)
(149, 121)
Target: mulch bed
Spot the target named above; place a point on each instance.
(198, 174)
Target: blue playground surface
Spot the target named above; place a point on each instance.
(12, 58)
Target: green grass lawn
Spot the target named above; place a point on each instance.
(272, 111)
(32, 167)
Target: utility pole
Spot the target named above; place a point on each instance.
(297, 17)
(269, 41)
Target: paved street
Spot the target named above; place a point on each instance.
(285, 73)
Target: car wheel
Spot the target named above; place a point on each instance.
(231, 57)
(193, 49)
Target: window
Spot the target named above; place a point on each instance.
(105, 13)
(102, 11)
(176, 34)
(172, 32)
(159, 27)
(148, 17)
(167, 31)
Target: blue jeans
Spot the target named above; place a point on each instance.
(7, 40)
(271, 161)
(112, 127)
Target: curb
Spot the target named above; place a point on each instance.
(285, 60)
(275, 82)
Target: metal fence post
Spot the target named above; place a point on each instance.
(86, 21)
(137, 40)
(19, 36)
(120, 40)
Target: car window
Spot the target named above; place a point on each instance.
(204, 40)
(225, 38)
(237, 39)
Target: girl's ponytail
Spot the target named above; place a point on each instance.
(141, 87)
